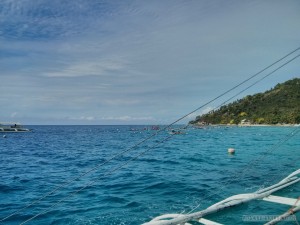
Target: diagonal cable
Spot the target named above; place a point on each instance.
(146, 139)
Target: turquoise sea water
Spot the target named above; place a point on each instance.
(189, 170)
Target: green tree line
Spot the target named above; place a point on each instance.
(281, 104)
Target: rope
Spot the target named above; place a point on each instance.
(294, 206)
(291, 212)
(146, 139)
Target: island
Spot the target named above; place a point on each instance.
(278, 106)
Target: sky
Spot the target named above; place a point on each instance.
(136, 62)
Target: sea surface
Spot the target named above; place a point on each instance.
(186, 173)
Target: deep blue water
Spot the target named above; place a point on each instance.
(186, 171)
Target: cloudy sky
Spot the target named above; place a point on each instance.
(136, 62)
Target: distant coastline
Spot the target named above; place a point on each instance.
(276, 107)
(248, 125)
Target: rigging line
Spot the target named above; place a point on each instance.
(256, 82)
(250, 165)
(101, 177)
(94, 181)
(239, 174)
(253, 162)
(264, 77)
(69, 182)
(264, 155)
(116, 169)
(271, 176)
(231, 89)
(235, 177)
(144, 140)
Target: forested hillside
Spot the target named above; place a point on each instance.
(281, 104)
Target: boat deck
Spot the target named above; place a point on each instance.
(12, 128)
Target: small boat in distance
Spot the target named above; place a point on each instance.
(12, 127)
(176, 132)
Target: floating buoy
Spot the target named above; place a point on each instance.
(231, 151)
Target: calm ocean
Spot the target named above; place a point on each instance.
(189, 170)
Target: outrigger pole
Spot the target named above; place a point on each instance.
(263, 194)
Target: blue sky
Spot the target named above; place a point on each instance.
(136, 62)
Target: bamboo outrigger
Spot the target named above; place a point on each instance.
(263, 194)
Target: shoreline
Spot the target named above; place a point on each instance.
(250, 125)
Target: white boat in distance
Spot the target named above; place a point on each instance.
(12, 127)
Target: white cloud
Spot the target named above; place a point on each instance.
(158, 58)
(13, 115)
(87, 69)
(121, 102)
(83, 118)
(206, 110)
(129, 118)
